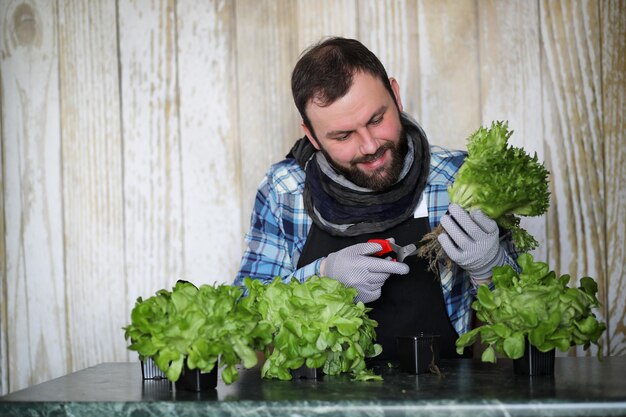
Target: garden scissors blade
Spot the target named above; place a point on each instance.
(390, 247)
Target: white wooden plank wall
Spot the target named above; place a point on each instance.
(390, 29)
(34, 298)
(613, 52)
(210, 146)
(152, 184)
(510, 51)
(92, 175)
(4, 362)
(135, 132)
(572, 126)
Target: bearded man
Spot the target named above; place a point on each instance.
(365, 170)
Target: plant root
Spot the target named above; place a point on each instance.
(432, 251)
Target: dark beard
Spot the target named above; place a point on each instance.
(375, 180)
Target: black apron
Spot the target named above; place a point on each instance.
(409, 304)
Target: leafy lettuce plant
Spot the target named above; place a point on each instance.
(316, 324)
(503, 181)
(533, 305)
(198, 325)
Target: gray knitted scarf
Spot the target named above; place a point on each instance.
(342, 208)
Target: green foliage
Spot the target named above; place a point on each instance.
(503, 181)
(536, 305)
(199, 325)
(316, 324)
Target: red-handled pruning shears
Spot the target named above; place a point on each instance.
(389, 247)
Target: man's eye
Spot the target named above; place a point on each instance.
(344, 136)
(377, 121)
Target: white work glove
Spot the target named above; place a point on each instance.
(355, 267)
(471, 241)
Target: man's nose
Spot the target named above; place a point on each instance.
(368, 144)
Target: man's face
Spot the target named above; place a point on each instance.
(361, 134)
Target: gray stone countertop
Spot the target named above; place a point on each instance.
(581, 386)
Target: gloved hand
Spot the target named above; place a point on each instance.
(471, 241)
(355, 267)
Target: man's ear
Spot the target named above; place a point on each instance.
(310, 136)
(396, 91)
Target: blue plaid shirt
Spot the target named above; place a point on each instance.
(280, 225)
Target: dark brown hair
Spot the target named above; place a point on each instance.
(325, 71)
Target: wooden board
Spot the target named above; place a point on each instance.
(93, 199)
(266, 49)
(449, 70)
(613, 23)
(574, 144)
(510, 82)
(390, 30)
(321, 19)
(210, 145)
(4, 317)
(153, 203)
(35, 287)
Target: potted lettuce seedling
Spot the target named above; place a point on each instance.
(190, 328)
(317, 325)
(533, 306)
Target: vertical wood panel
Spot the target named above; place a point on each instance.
(613, 23)
(209, 140)
(390, 29)
(320, 19)
(573, 132)
(152, 174)
(266, 47)
(4, 317)
(449, 72)
(317, 21)
(92, 183)
(510, 68)
(33, 200)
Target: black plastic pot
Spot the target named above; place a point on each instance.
(534, 362)
(149, 370)
(194, 380)
(155, 388)
(418, 353)
(304, 372)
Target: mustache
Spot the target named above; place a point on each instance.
(372, 157)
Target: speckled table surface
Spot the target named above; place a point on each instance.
(581, 386)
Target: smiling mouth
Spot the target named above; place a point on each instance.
(375, 161)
